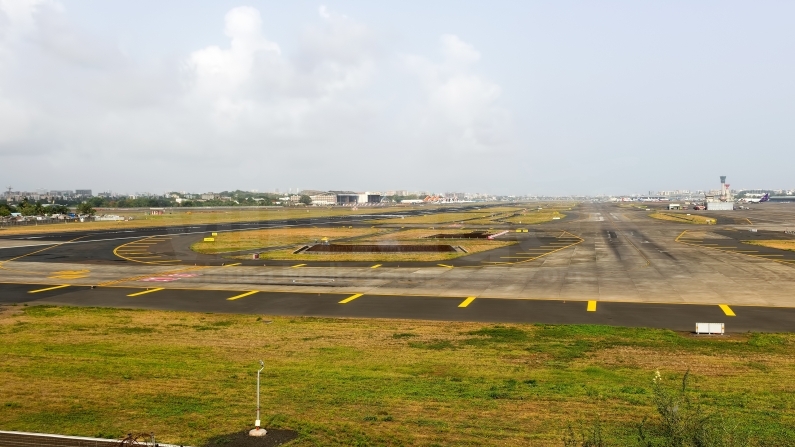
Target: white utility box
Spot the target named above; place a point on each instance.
(709, 328)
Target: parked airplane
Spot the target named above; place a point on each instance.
(764, 198)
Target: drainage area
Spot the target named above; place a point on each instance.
(351, 248)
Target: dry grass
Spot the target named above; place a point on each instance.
(535, 217)
(774, 243)
(409, 236)
(254, 239)
(683, 218)
(342, 382)
(535, 214)
(431, 219)
(194, 217)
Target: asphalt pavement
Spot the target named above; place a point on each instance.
(679, 317)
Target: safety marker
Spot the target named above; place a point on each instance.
(231, 265)
(375, 266)
(351, 298)
(48, 288)
(146, 291)
(591, 306)
(237, 297)
(445, 265)
(727, 310)
(299, 265)
(467, 301)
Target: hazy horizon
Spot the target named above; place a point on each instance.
(546, 98)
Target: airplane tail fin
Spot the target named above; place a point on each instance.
(765, 198)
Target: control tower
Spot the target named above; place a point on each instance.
(725, 201)
(725, 194)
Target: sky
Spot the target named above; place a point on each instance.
(507, 97)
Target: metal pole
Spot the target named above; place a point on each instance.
(262, 365)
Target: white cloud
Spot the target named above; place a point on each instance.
(240, 107)
(461, 107)
(219, 70)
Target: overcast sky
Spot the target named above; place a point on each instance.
(553, 97)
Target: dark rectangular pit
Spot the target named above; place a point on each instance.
(472, 235)
(340, 248)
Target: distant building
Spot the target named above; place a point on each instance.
(350, 197)
(345, 197)
(83, 192)
(321, 197)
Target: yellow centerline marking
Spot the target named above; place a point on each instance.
(48, 288)
(146, 291)
(351, 298)
(232, 265)
(445, 265)
(299, 265)
(237, 297)
(727, 310)
(591, 306)
(467, 301)
(375, 266)
(124, 251)
(3, 263)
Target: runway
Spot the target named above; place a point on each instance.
(636, 270)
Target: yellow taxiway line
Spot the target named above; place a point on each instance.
(351, 298)
(146, 291)
(375, 266)
(48, 288)
(467, 301)
(727, 310)
(237, 297)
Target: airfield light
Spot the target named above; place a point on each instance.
(257, 430)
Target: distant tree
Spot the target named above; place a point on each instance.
(305, 199)
(86, 208)
(98, 202)
(30, 209)
(4, 211)
(57, 209)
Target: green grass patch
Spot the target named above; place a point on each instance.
(190, 377)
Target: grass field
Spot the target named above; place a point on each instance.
(683, 218)
(406, 236)
(525, 215)
(195, 216)
(340, 382)
(431, 219)
(773, 243)
(253, 239)
(535, 217)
